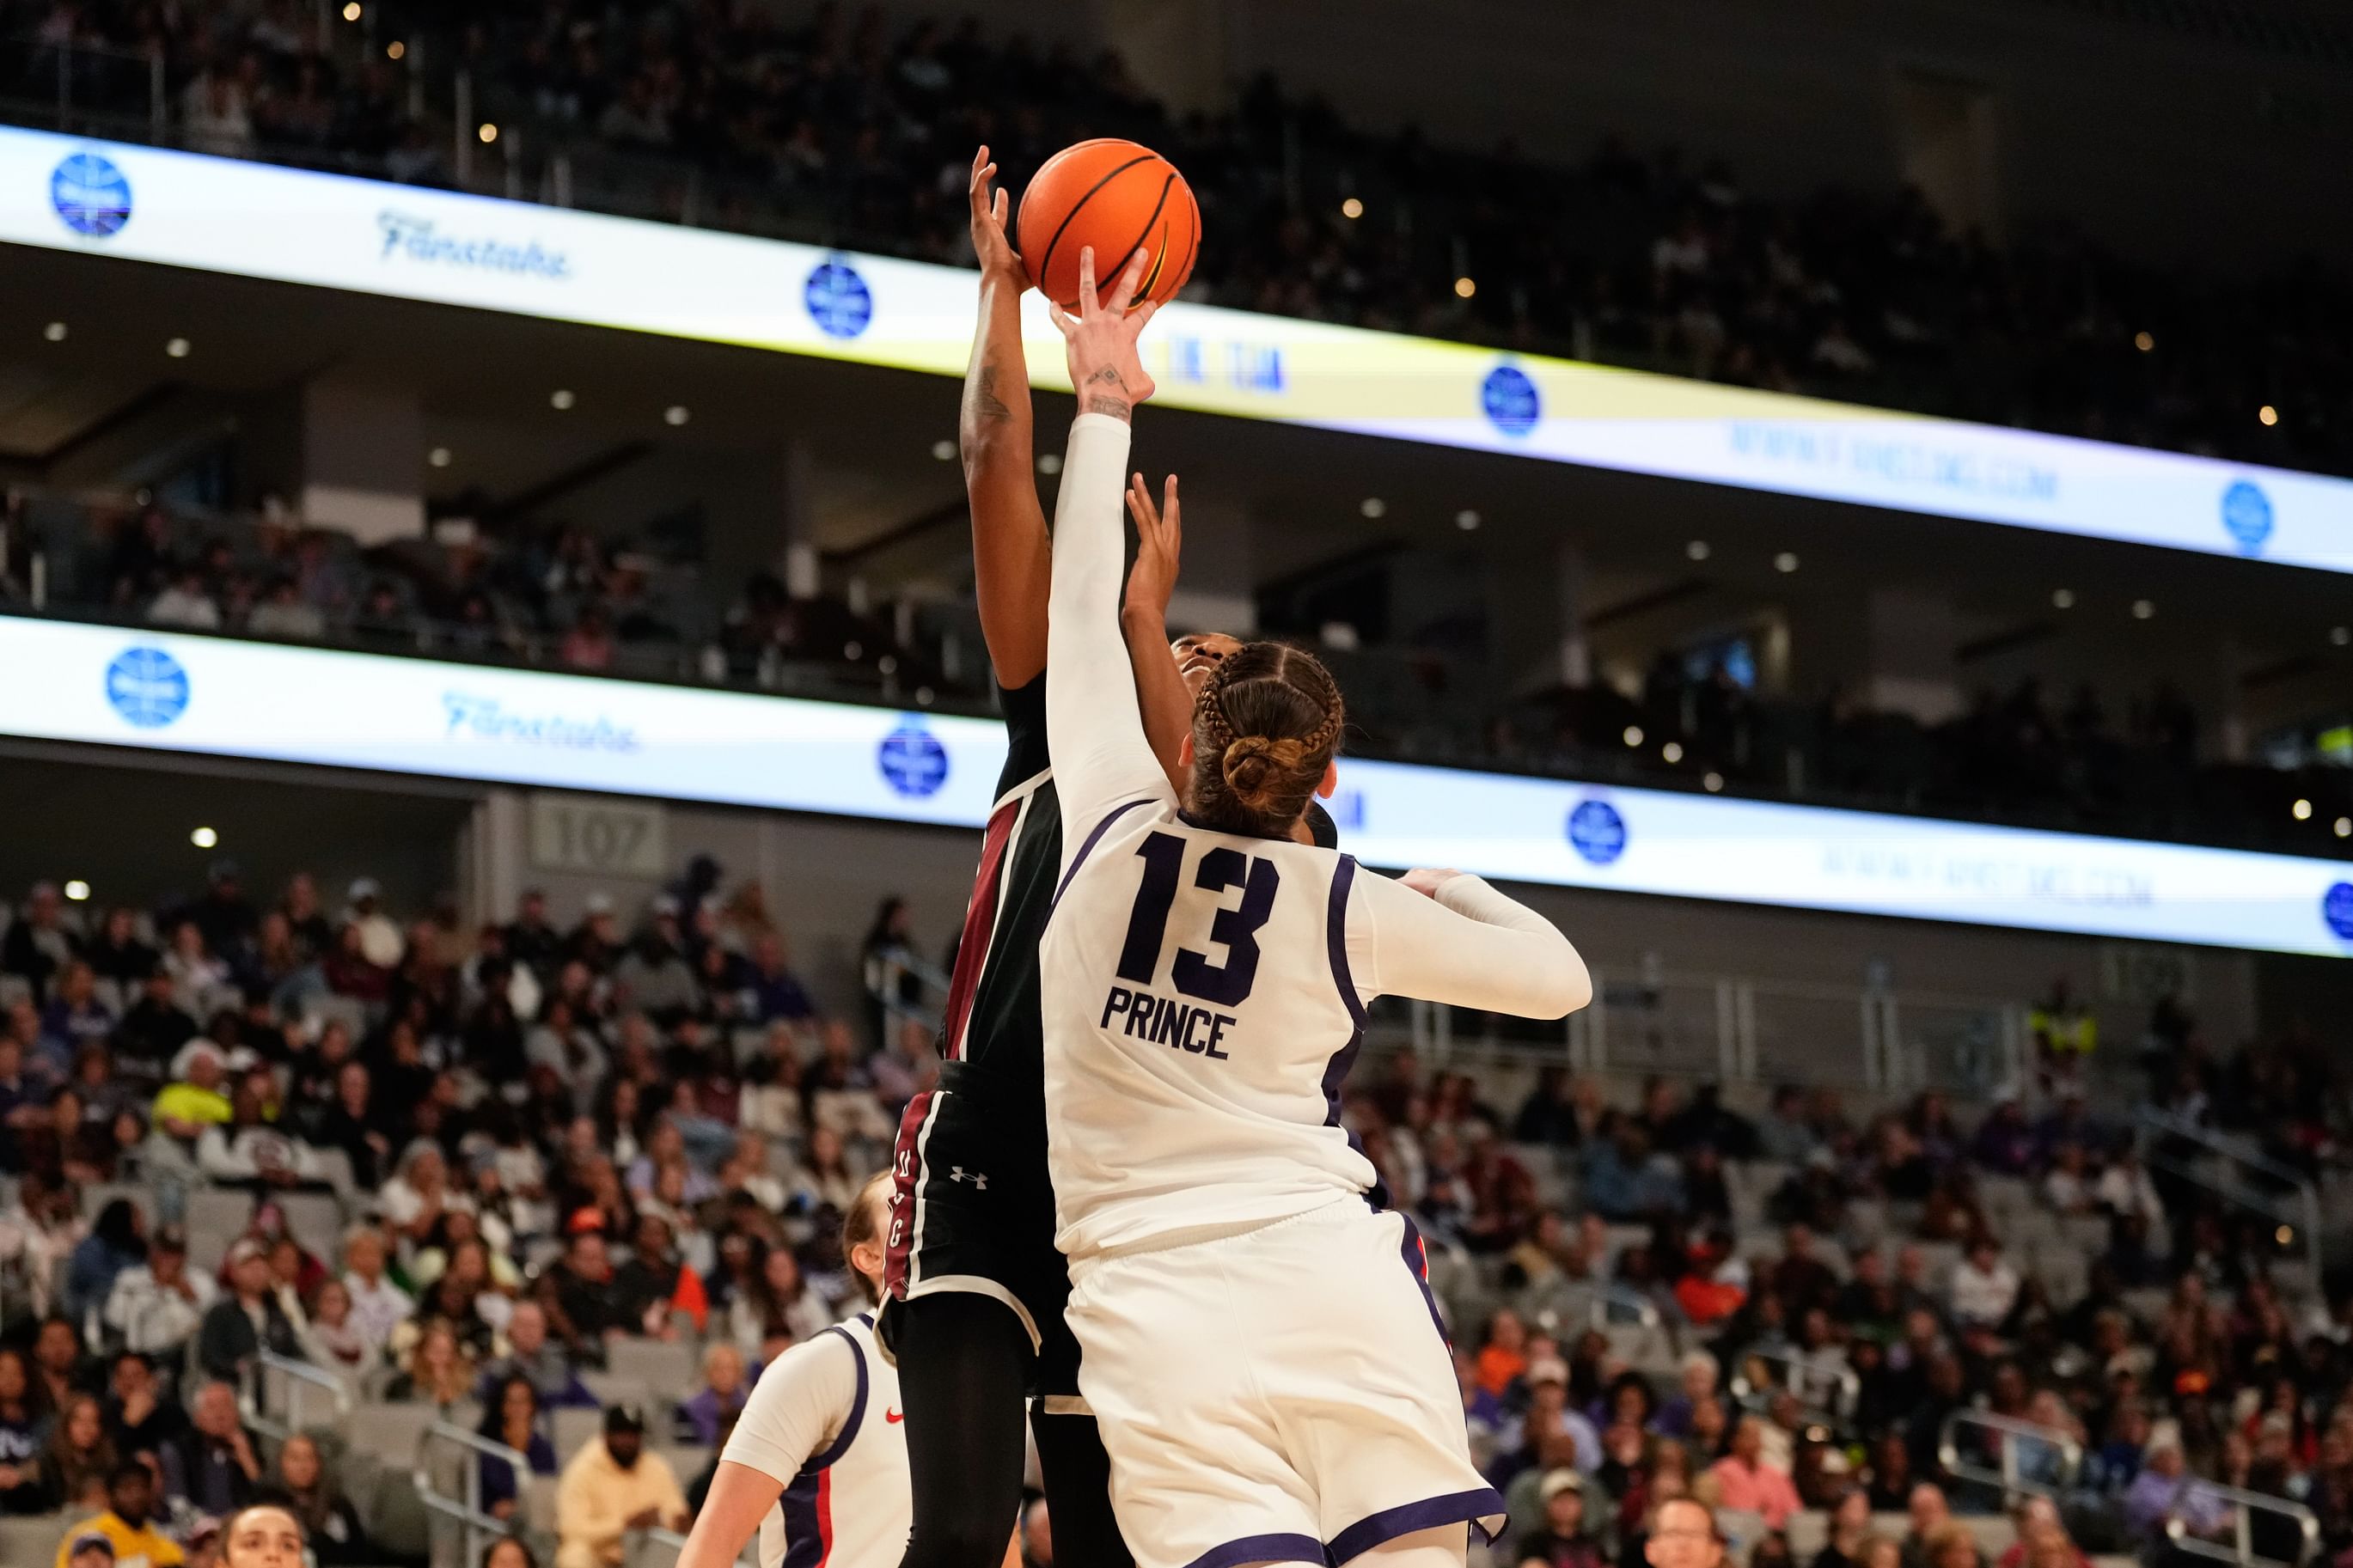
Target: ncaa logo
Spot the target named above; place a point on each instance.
(838, 298)
(89, 193)
(2247, 515)
(1597, 831)
(147, 685)
(913, 760)
(1511, 400)
(2337, 909)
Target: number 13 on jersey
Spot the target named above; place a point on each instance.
(1183, 1023)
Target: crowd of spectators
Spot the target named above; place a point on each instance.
(555, 597)
(549, 1142)
(830, 125)
(544, 1141)
(1779, 1314)
(561, 598)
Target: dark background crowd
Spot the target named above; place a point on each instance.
(561, 598)
(829, 124)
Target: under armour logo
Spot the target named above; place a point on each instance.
(979, 1181)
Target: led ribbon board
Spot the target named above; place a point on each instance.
(219, 697)
(254, 220)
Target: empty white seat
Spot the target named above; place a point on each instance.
(34, 1538)
(572, 1430)
(390, 1432)
(657, 1363)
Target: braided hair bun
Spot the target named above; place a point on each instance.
(1265, 728)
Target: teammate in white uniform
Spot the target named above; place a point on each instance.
(1260, 1348)
(817, 1459)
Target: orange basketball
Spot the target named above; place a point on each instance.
(1113, 196)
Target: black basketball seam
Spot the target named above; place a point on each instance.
(1152, 274)
(1191, 245)
(1148, 222)
(1047, 261)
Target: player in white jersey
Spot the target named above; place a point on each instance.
(818, 1460)
(1260, 1348)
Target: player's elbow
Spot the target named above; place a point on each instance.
(1567, 984)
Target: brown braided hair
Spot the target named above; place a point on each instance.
(1265, 728)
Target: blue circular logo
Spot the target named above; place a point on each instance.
(147, 685)
(90, 194)
(2247, 515)
(1596, 832)
(2337, 909)
(838, 298)
(1513, 404)
(913, 760)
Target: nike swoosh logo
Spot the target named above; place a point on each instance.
(893, 1416)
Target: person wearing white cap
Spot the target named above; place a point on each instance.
(381, 942)
(1562, 1540)
(595, 941)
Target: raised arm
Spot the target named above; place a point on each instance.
(1440, 936)
(1092, 722)
(1160, 689)
(1008, 530)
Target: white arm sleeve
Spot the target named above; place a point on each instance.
(1094, 731)
(795, 1408)
(1469, 947)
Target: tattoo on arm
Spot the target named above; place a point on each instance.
(983, 401)
(1108, 376)
(1104, 402)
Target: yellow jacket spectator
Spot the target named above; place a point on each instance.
(130, 1493)
(612, 1487)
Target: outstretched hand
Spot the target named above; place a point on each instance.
(1105, 371)
(1160, 541)
(990, 246)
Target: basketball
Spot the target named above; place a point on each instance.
(1113, 196)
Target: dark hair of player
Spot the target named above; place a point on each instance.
(1265, 728)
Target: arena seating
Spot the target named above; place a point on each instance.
(2019, 757)
(822, 127)
(1589, 1230)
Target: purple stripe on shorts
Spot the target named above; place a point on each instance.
(1417, 1263)
(1456, 1508)
(1089, 846)
(1261, 1549)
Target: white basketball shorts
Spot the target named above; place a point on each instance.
(1285, 1394)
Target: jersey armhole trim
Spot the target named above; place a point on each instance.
(1344, 881)
(1029, 785)
(848, 1433)
(1335, 1072)
(1092, 839)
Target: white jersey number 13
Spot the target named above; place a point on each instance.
(1219, 984)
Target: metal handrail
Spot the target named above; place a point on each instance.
(884, 986)
(467, 1510)
(2007, 1475)
(1608, 1297)
(1562, 1300)
(656, 1535)
(2298, 1205)
(2242, 1505)
(1807, 1378)
(299, 1374)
